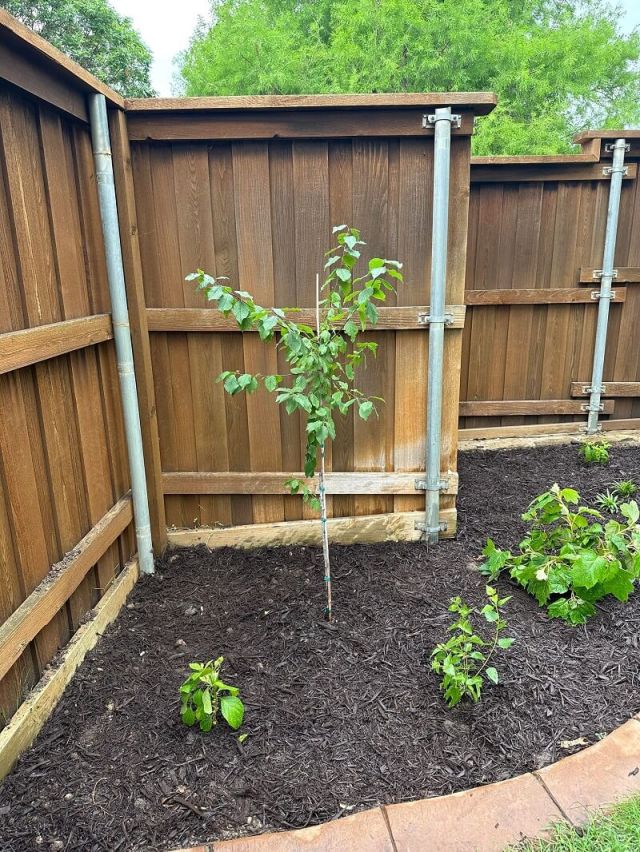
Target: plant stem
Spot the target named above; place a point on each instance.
(325, 534)
(323, 493)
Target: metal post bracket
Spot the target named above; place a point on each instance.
(427, 319)
(598, 273)
(429, 119)
(610, 170)
(443, 526)
(598, 294)
(422, 485)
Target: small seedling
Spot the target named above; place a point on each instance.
(595, 452)
(625, 488)
(203, 694)
(609, 501)
(463, 660)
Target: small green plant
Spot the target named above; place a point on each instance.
(322, 359)
(609, 502)
(595, 452)
(625, 488)
(203, 694)
(569, 559)
(463, 660)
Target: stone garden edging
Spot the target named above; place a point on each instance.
(482, 819)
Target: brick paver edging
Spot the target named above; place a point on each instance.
(483, 819)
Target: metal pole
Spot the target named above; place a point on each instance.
(606, 275)
(121, 330)
(442, 155)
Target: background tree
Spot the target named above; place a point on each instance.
(558, 66)
(96, 36)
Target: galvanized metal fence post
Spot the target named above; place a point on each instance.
(606, 275)
(121, 330)
(442, 120)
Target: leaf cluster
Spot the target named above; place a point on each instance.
(570, 559)
(204, 694)
(557, 66)
(595, 452)
(463, 660)
(322, 360)
(96, 36)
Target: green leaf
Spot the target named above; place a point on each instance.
(206, 702)
(492, 674)
(188, 716)
(272, 382)
(365, 408)
(588, 569)
(231, 384)
(504, 642)
(232, 710)
(240, 311)
(242, 737)
(343, 274)
(630, 511)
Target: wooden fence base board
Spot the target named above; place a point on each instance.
(367, 529)
(28, 720)
(512, 442)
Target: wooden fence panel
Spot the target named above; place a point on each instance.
(260, 211)
(536, 231)
(62, 452)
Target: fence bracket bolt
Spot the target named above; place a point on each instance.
(421, 484)
(609, 170)
(430, 119)
(427, 319)
(598, 273)
(586, 406)
(598, 294)
(589, 389)
(610, 146)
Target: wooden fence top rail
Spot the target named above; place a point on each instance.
(607, 134)
(18, 39)
(481, 103)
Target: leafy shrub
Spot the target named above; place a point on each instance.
(463, 660)
(203, 694)
(569, 560)
(595, 452)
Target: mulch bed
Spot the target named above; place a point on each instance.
(339, 717)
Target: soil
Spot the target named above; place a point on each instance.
(339, 717)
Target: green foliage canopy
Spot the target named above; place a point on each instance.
(96, 36)
(558, 66)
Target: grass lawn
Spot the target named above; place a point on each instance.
(619, 831)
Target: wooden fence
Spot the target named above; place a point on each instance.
(250, 188)
(63, 465)
(536, 235)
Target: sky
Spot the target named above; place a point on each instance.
(166, 27)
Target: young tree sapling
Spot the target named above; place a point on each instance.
(322, 360)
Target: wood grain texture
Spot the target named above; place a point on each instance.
(524, 407)
(480, 102)
(544, 172)
(617, 389)
(27, 722)
(537, 296)
(268, 125)
(29, 346)
(626, 275)
(210, 319)
(207, 482)
(396, 526)
(59, 584)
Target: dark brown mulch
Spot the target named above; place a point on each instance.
(339, 717)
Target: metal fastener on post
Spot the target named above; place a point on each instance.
(442, 120)
(121, 331)
(604, 295)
